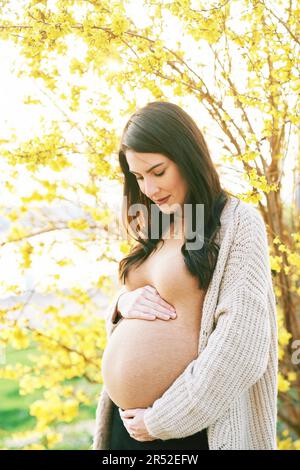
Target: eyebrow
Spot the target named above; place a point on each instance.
(150, 169)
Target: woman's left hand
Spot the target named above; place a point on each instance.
(134, 423)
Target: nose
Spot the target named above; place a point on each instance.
(151, 189)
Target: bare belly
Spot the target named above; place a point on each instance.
(143, 358)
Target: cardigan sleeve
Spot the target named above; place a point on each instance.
(237, 351)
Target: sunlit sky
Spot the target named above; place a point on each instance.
(24, 120)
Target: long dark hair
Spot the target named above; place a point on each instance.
(165, 128)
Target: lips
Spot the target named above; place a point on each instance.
(163, 200)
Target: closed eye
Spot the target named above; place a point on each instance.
(156, 174)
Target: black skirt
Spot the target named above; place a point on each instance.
(121, 440)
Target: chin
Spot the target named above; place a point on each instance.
(166, 210)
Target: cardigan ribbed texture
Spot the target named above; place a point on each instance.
(231, 387)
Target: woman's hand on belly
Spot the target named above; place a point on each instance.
(134, 423)
(145, 303)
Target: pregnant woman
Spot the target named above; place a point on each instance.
(191, 359)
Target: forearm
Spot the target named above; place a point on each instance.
(234, 359)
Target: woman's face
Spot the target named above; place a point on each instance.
(159, 182)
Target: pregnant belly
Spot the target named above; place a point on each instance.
(143, 358)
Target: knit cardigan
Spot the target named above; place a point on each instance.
(231, 387)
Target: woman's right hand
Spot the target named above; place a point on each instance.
(145, 303)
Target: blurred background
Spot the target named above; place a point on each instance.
(72, 73)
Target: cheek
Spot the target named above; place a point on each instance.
(184, 187)
(180, 190)
(173, 182)
(178, 184)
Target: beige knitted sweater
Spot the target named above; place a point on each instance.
(231, 387)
